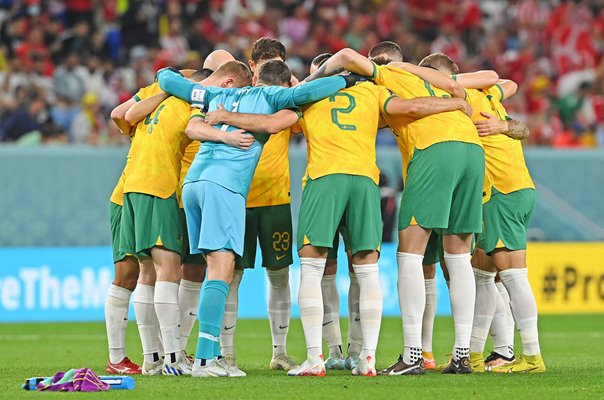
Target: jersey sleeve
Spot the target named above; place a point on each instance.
(147, 91)
(384, 97)
(197, 113)
(307, 93)
(496, 91)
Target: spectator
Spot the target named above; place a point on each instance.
(65, 48)
(89, 126)
(26, 118)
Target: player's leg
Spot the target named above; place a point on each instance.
(118, 301)
(355, 333)
(502, 330)
(229, 324)
(144, 309)
(323, 203)
(193, 272)
(146, 318)
(431, 257)
(216, 219)
(465, 219)
(248, 260)
(420, 212)
(362, 226)
(208, 359)
(275, 238)
(485, 307)
(159, 231)
(429, 315)
(516, 210)
(331, 309)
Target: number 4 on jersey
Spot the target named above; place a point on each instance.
(153, 120)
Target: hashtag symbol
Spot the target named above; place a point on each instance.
(550, 284)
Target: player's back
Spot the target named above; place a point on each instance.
(158, 144)
(424, 132)
(341, 131)
(229, 166)
(505, 164)
(271, 181)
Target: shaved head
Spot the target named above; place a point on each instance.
(216, 58)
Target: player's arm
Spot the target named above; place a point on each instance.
(310, 92)
(197, 129)
(495, 126)
(477, 80)
(177, 85)
(344, 60)
(118, 115)
(434, 77)
(141, 109)
(507, 88)
(420, 107)
(257, 123)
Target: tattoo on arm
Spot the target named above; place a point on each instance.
(517, 130)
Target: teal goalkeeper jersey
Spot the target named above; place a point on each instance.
(228, 166)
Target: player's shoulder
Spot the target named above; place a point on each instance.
(147, 91)
(395, 68)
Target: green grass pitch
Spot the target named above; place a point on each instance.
(573, 348)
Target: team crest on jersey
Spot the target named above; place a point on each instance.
(197, 95)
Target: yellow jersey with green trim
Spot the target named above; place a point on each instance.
(341, 131)
(117, 196)
(185, 164)
(506, 168)
(153, 165)
(270, 184)
(424, 132)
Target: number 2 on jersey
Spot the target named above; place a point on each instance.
(334, 111)
(154, 120)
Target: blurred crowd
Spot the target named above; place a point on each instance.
(64, 64)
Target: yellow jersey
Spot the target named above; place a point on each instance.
(153, 165)
(117, 196)
(423, 132)
(185, 164)
(341, 131)
(506, 169)
(270, 185)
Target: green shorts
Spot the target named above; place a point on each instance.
(434, 250)
(332, 254)
(351, 202)
(443, 189)
(115, 216)
(272, 227)
(186, 256)
(506, 220)
(149, 221)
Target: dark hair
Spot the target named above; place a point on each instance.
(267, 49)
(275, 73)
(385, 52)
(201, 74)
(320, 59)
(237, 70)
(440, 61)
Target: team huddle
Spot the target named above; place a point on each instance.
(207, 179)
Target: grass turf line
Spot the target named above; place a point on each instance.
(572, 347)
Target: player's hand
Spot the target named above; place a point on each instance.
(465, 107)
(238, 138)
(217, 116)
(352, 79)
(173, 69)
(294, 81)
(491, 125)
